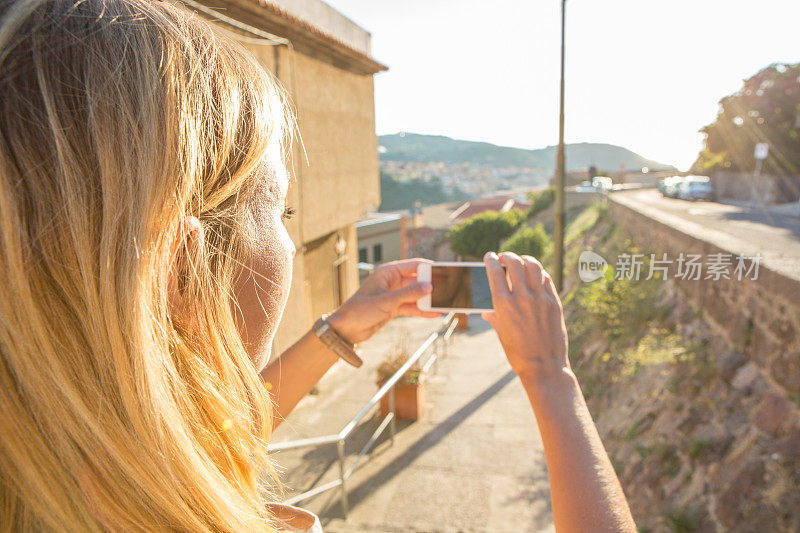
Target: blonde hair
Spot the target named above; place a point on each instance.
(118, 118)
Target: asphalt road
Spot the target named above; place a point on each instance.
(774, 233)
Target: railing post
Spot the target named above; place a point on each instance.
(340, 446)
(341, 438)
(436, 350)
(392, 427)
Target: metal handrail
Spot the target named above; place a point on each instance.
(444, 333)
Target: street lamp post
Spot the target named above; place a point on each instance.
(558, 230)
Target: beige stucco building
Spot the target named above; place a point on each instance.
(381, 238)
(324, 62)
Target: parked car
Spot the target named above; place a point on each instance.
(669, 186)
(585, 186)
(695, 188)
(602, 183)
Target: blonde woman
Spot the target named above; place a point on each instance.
(144, 268)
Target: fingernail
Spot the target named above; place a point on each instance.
(491, 255)
(426, 287)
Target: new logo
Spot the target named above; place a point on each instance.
(591, 266)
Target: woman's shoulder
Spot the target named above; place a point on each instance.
(294, 519)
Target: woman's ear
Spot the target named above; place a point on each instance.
(188, 236)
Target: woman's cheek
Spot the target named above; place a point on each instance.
(262, 292)
(289, 250)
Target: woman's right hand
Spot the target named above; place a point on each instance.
(529, 320)
(527, 315)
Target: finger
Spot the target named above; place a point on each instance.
(411, 309)
(411, 293)
(516, 271)
(534, 270)
(405, 282)
(490, 317)
(497, 276)
(550, 288)
(407, 267)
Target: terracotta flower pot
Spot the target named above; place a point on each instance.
(409, 401)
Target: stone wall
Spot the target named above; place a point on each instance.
(712, 442)
(764, 189)
(758, 318)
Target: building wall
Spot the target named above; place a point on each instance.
(388, 234)
(334, 161)
(329, 20)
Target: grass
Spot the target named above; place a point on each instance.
(681, 520)
(639, 426)
(657, 347)
(668, 456)
(748, 333)
(672, 385)
(643, 450)
(699, 448)
(666, 452)
(584, 222)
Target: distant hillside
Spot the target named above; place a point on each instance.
(416, 147)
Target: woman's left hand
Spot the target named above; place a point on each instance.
(390, 291)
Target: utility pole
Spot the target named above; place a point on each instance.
(558, 229)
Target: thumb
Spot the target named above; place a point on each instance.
(411, 293)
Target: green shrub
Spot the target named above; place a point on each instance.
(619, 306)
(541, 200)
(528, 241)
(484, 232)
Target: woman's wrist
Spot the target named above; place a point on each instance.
(339, 322)
(543, 372)
(550, 386)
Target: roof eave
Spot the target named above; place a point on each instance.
(304, 37)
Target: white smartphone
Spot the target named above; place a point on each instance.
(458, 286)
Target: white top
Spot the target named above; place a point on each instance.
(295, 520)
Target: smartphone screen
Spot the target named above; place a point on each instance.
(464, 287)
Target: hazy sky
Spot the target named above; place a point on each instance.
(644, 74)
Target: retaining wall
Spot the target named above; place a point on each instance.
(763, 189)
(759, 318)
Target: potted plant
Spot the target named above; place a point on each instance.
(409, 391)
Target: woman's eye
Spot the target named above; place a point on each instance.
(288, 213)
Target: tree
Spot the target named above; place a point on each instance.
(766, 109)
(402, 195)
(483, 232)
(528, 241)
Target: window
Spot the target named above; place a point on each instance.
(377, 253)
(362, 255)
